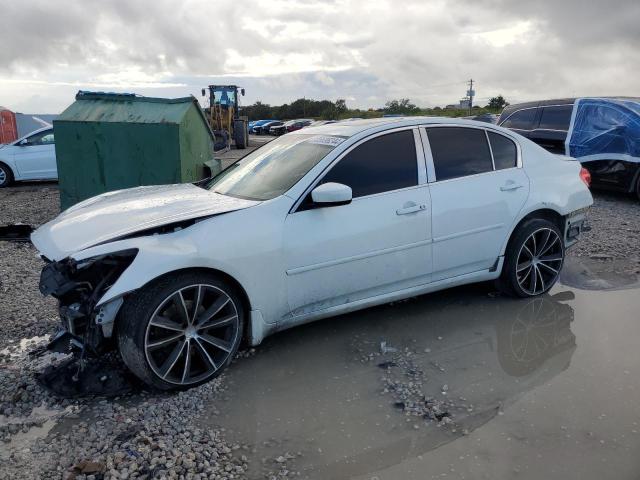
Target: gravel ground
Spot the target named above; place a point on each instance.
(150, 435)
(615, 232)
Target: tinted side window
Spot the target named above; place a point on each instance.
(504, 151)
(459, 151)
(381, 164)
(522, 119)
(556, 118)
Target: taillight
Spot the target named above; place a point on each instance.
(585, 176)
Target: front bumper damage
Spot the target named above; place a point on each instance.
(78, 286)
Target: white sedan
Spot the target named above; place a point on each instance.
(32, 157)
(316, 223)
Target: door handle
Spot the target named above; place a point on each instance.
(511, 186)
(410, 209)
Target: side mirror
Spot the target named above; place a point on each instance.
(331, 195)
(242, 91)
(204, 92)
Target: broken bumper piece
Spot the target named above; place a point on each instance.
(64, 342)
(78, 286)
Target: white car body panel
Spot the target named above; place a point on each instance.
(116, 214)
(30, 162)
(297, 266)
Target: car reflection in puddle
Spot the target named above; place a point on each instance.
(313, 399)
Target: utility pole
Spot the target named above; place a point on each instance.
(470, 94)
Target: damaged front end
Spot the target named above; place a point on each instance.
(78, 286)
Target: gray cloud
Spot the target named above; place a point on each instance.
(280, 50)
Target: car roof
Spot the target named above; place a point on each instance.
(556, 101)
(353, 127)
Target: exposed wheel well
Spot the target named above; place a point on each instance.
(227, 278)
(544, 213)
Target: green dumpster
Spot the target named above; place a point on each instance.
(110, 141)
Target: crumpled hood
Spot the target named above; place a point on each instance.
(123, 212)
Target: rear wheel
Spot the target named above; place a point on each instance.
(533, 259)
(181, 331)
(6, 176)
(638, 188)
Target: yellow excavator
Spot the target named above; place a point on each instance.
(224, 118)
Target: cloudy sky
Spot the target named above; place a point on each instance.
(365, 51)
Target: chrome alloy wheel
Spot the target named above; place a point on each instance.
(3, 175)
(191, 334)
(539, 261)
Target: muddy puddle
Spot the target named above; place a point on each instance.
(540, 388)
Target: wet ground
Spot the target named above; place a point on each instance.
(543, 388)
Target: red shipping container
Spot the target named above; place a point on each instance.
(8, 126)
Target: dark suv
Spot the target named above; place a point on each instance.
(604, 135)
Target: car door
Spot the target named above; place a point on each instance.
(35, 156)
(477, 189)
(378, 243)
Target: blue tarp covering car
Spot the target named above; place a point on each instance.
(605, 129)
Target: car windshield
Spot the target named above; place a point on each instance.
(274, 168)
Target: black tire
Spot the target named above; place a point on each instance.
(514, 279)
(638, 188)
(6, 176)
(138, 345)
(239, 134)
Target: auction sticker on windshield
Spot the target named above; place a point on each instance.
(326, 140)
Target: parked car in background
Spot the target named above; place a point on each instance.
(254, 128)
(32, 157)
(602, 133)
(486, 117)
(264, 128)
(290, 126)
(315, 223)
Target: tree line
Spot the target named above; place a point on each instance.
(328, 110)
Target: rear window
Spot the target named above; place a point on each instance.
(556, 118)
(459, 152)
(505, 154)
(522, 119)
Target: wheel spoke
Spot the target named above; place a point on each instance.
(172, 359)
(164, 342)
(535, 245)
(205, 355)
(220, 322)
(551, 258)
(543, 245)
(181, 307)
(196, 304)
(533, 281)
(539, 273)
(210, 312)
(216, 342)
(549, 246)
(166, 323)
(543, 264)
(529, 252)
(523, 266)
(187, 362)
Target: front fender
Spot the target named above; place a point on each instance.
(246, 245)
